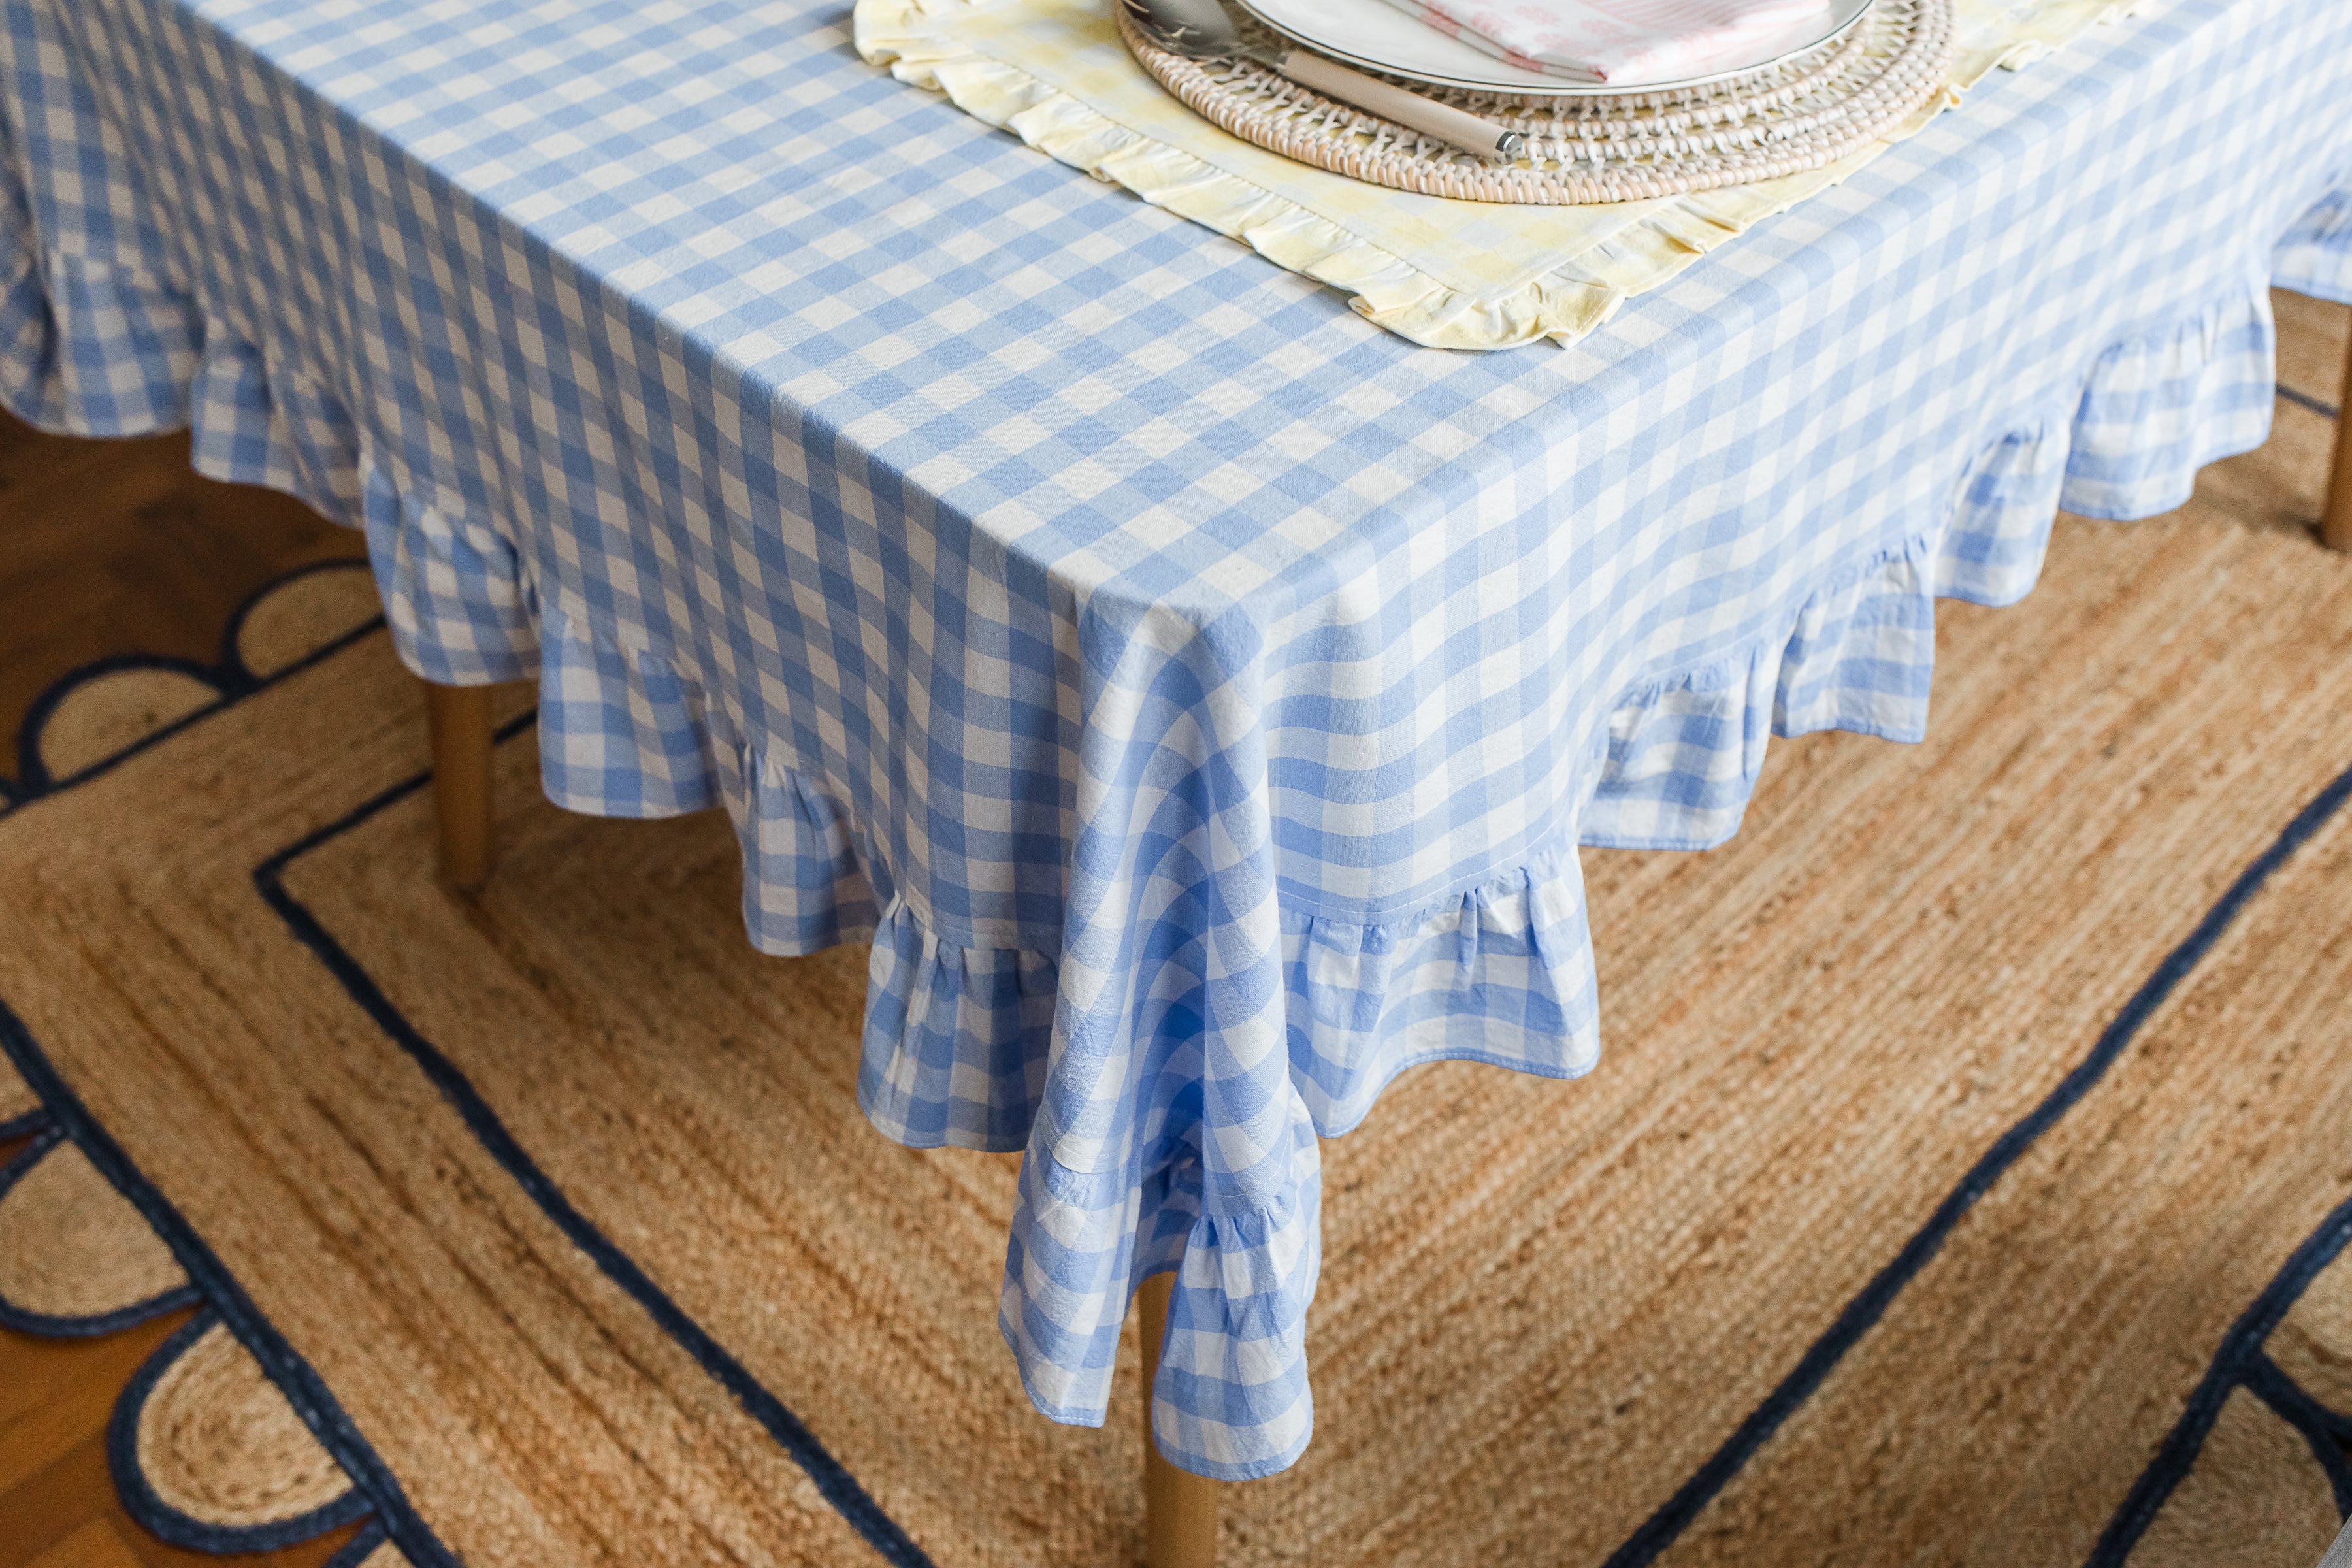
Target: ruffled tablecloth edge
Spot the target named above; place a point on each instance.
(1381, 996)
(916, 38)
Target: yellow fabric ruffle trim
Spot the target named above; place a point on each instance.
(1448, 274)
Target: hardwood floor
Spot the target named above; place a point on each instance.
(58, 1502)
(115, 547)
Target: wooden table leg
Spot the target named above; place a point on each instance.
(458, 719)
(1180, 1509)
(2335, 529)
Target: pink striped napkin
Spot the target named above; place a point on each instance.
(1631, 41)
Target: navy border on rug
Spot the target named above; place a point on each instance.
(831, 1479)
(46, 1139)
(229, 676)
(1862, 1313)
(60, 1118)
(387, 1515)
(1656, 1534)
(377, 1491)
(168, 1524)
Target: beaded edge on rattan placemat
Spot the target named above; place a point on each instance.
(1786, 119)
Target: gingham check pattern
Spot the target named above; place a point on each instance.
(1197, 694)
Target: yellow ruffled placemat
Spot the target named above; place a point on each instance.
(1450, 274)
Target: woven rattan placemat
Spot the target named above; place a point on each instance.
(1802, 115)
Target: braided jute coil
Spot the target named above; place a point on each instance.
(73, 1247)
(1802, 114)
(217, 1441)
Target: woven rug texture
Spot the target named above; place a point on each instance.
(1965, 1182)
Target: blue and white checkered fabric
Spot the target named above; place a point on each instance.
(1198, 695)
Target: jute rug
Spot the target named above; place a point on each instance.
(1967, 1181)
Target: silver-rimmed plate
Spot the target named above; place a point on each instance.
(1378, 37)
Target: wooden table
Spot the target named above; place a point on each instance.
(1180, 1508)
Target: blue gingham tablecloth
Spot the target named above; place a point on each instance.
(1198, 695)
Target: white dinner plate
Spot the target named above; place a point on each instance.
(1377, 34)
